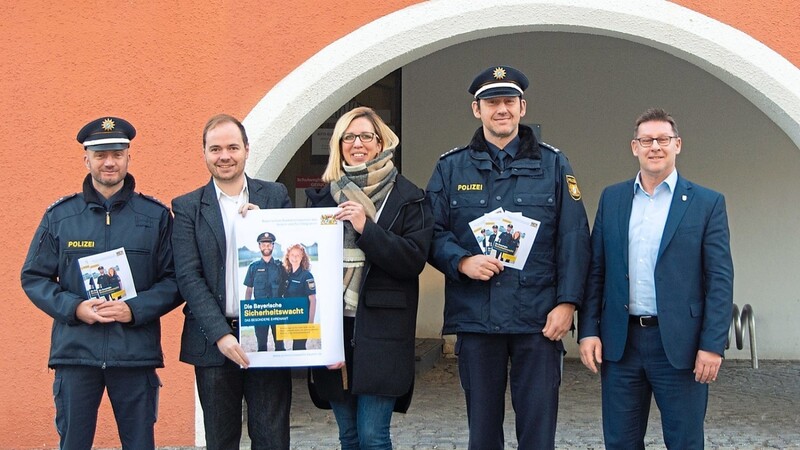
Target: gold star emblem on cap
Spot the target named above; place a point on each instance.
(499, 73)
(108, 125)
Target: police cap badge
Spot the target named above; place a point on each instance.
(106, 133)
(499, 81)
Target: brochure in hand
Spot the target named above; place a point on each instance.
(506, 235)
(108, 275)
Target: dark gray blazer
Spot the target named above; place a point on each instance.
(198, 242)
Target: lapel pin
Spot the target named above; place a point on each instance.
(683, 198)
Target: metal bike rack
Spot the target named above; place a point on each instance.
(746, 316)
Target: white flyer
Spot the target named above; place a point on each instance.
(108, 275)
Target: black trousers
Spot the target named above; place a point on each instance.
(133, 391)
(535, 374)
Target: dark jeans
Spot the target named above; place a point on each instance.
(364, 421)
(483, 361)
(268, 393)
(645, 372)
(133, 391)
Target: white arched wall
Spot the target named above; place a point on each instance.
(298, 104)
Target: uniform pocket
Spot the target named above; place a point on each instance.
(59, 402)
(154, 387)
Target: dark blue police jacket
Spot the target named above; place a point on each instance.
(539, 183)
(78, 226)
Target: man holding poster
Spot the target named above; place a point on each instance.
(206, 268)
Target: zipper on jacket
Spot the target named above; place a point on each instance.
(105, 345)
(105, 327)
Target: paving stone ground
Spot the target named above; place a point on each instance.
(748, 409)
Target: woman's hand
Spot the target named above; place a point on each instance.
(354, 213)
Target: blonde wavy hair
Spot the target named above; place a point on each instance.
(383, 133)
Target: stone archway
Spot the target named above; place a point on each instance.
(294, 107)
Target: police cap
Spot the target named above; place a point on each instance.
(106, 133)
(499, 81)
(266, 237)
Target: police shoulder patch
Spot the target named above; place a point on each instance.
(310, 283)
(572, 186)
(548, 146)
(154, 200)
(453, 151)
(61, 200)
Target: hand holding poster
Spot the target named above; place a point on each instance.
(290, 278)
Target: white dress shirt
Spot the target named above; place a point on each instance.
(229, 207)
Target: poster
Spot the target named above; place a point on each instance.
(290, 286)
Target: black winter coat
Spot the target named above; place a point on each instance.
(380, 355)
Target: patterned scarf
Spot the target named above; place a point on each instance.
(367, 184)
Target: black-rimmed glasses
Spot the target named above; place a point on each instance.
(365, 137)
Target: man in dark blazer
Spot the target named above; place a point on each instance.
(659, 294)
(205, 258)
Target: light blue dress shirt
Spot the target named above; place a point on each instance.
(648, 217)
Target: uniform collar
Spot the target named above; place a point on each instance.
(528, 145)
(512, 148)
(91, 195)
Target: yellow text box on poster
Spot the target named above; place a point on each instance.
(298, 331)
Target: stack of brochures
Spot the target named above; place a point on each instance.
(505, 235)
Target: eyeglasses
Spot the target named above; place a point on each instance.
(662, 141)
(365, 137)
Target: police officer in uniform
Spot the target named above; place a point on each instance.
(492, 239)
(98, 345)
(103, 279)
(265, 278)
(501, 315)
(103, 282)
(300, 284)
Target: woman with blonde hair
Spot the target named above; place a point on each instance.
(387, 233)
(300, 283)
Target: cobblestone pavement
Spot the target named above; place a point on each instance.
(748, 409)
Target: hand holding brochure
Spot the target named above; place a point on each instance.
(108, 275)
(506, 235)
